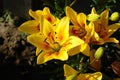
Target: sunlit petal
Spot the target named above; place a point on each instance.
(93, 11)
(90, 76)
(35, 14)
(30, 27)
(113, 28)
(62, 30)
(68, 71)
(47, 28)
(85, 49)
(48, 15)
(38, 50)
(81, 18)
(49, 55)
(38, 41)
(40, 58)
(73, 42)
(72, 15)
(90, 32)
(74, 51)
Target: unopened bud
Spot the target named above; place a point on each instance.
(99, 52)
(115, 16)
(93, 17)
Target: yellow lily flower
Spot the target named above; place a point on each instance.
(103, 29)
(80, 29)
(33, 26)
(71, 74)
(54, 42)
(79, 22)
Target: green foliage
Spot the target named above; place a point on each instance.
(100, 5)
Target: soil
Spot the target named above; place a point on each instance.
(15, 51)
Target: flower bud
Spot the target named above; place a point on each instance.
(99, 52)
(114, 16)
(93, 17)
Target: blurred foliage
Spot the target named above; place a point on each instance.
(100, 5)
(57, 6)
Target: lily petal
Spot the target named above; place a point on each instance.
(62, 30)
(104, 17)
(30, 27)
(35, 14)
(90, 76)
(73, 42)
(81, 18)
(72, 15)
(47, 28)
(93, 11)
(48, 15)
(38, 41)
(85, 49)
(114, 40)
(113, 28)
(68, 71)
(49, 55)
(90, 32)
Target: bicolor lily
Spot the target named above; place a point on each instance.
(33, 26)
(72, 74)
(103, 29)
(54, 42)
(80, 29)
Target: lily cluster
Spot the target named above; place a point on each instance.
(74, 33)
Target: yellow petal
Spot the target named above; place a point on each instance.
(62, 30)
(81, 18)
(90, 76)
(35, 14)
(30, 27)
(61, 55)
(40, 58)
(113, 28)
(47, 28)
(72, 77)
(104, 17)
(74, 51)
(90, 32)
(96, 39)
(49, 55)
(38, 41)
(72, 15)
(68, 71)
(48, 15)
(85, 49)
(38, 50)
(114, 40)
(72, 42)
(93, 11)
